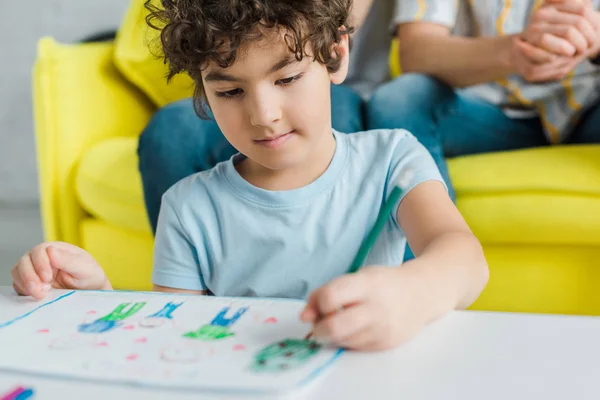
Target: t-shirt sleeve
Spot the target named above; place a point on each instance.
(411, 164)
(443, 12)
(176, 262)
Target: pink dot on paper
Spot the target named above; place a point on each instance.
(44, 331)
(129, 327)
(239, 347)
(271, 320)
(91, 312)
(101, 344)
(141, 340)
(132, 357)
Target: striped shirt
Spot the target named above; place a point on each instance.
(559, 104)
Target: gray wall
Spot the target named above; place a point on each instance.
(23, 23)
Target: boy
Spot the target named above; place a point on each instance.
(286, 216)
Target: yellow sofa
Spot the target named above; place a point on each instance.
(537, 212)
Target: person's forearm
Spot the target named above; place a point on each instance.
(165, 289)
(450, 274)
(458, 61)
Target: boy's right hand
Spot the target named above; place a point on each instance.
(57, 265)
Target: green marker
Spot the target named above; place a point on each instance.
(384, 214)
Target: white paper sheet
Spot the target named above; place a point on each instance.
(175, 342)
(13, 306)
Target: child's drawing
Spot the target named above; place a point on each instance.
(284, 355)
(161, 316)
(112, 320)
(220, 319)
(218, 328)
(232, 352)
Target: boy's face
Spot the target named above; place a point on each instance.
(272, 108)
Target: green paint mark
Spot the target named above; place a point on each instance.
(118, 314)
(210, 332)
(285, 355)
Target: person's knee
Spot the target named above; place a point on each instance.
(157, 137)
(346, 109)
(408, 96)
(344, 94)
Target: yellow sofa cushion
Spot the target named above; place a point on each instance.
(545, 195)
(108, 184)
(142, 66)
(125, 255)
(541, 279)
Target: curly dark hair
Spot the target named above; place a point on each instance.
(196, 32)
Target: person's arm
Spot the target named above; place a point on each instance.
(380, 307)
(427, 45)
(164, 289)
(544, 51)
(175, 268)
(429, 48)
(449, 262)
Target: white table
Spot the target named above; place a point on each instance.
(467, 355)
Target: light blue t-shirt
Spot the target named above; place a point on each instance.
(219, 233)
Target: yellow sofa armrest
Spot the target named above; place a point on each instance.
(79, 99)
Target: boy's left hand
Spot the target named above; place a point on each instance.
(376, 308)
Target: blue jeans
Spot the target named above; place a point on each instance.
(449, 123)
